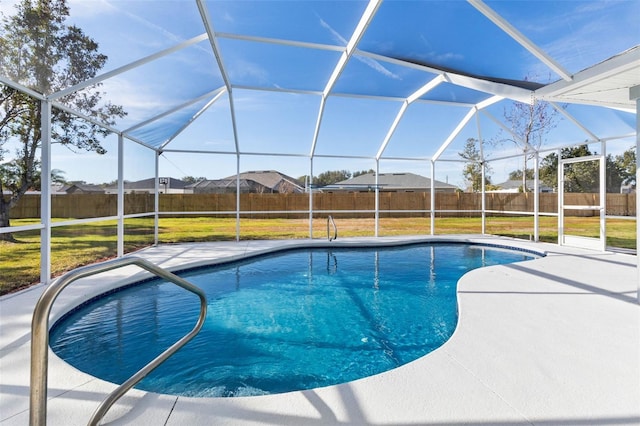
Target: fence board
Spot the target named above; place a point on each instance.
(82, 206)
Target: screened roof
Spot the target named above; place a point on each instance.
(392, 79)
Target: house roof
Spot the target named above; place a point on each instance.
(268, 178)
(82, 187)
(512, 184)
(252, 180)
(517, 183)
(151, 182)
(231, 183)
(390, 181)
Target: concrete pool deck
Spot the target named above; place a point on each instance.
(553, 341)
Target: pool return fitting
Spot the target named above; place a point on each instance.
(330, 221)
(40, 336)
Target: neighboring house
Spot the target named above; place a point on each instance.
(56, 189)
(389, 182)
(223, 186)
(167, 185)
(629, 188)
(264, 182)
(82, 188)
(514, 185)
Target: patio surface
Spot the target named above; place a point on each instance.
(553, 341)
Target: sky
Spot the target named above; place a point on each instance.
(451, 34)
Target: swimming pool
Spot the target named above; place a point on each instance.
(294, 320)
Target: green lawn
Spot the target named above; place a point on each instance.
(77, 245)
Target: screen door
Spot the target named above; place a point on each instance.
(582, 202)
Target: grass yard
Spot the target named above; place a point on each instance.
(77, 245)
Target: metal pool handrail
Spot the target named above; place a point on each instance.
(330, 221)
(40, 336)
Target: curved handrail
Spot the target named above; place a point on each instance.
(40, 336)
(330, 221)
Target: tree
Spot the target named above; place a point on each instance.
(191, 179)
(517, 174)
(578, 179)
(472, 171)
(328, 177)
(331, 176)
(529, 125)
(585, 176)
(625, 166)
(621, 170)
(42, 52)
(362, 172)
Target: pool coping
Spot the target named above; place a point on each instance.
(521, 353)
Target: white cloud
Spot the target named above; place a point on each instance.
(377, 66)
(7, 7)
(243, 69)
(146, 23)
(445, 57)
(227, 17)
(140, 102)
(336, 36)
(98, 8)
(77, 8)
(371, 63)
(430, 56)
(89, 8)
(586, 33)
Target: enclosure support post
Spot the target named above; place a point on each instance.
(310, 197)
(483, 194)
(120, 202)
(603, 195)
(483, 172)
(433, 197)
(536, 197)
(45, 193)
(237, 197)
(560, 181)
(156, 199)
(634, 94)
(377, 192)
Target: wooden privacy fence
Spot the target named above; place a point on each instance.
(391, 204)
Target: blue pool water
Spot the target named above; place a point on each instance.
(289, 321)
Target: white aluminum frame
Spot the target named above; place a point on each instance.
(496, 91)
